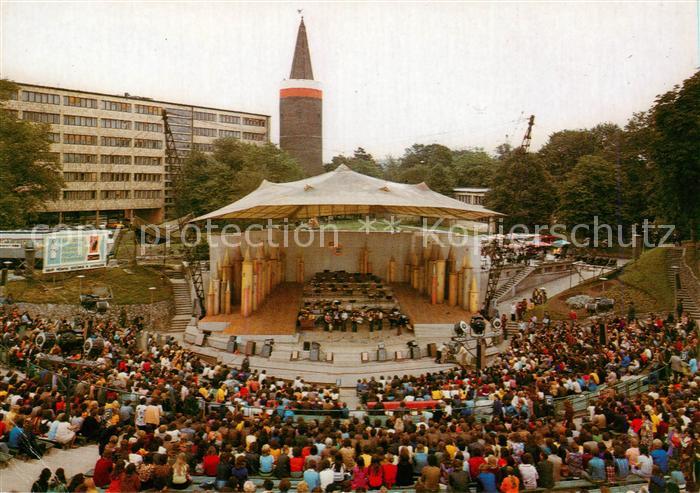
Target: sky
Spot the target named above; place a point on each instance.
(393, 74)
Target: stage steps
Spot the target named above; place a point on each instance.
(328, 373)
(182, 299)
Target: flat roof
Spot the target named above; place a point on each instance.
(471, 189)
(137, 98)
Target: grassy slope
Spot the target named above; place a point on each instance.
(648, 274)
(128, 286)
(643, 282)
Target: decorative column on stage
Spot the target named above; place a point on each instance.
(391, 270)
(246, 285)
(433, 282)
(427, 272)
(210, 297)
(364, 260)
(274, 267)
(451, 274)
(217, 296)
(283, 266)
(460, 286)
(473, 294)
(300, 269)
(257, 278)
(237, 268)
(415, 271)
(466, 279)
(267, 274)
(408, 270)
(226, 273)
(227, 298)
(440, 286)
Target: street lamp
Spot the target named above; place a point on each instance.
(152, 289)
(603, 279)
(80, 285)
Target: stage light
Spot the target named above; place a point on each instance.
(478, 326)
(461, 328)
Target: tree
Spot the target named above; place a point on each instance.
(30, 175)
(431, 155)
(361, 161)
(589, 191)
(676, 152)
(441, 179)
(503, 151)
(473, 168)
(523, 190)
(233, 170)
(563, 149)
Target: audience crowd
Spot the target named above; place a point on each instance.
(161, 415)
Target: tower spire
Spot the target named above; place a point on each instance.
(301, 64)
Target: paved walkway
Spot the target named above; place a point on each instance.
(19, 475)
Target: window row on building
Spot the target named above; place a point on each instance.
(55, 118)
(111, 194)
(84, 158)
(143, 109)
(253, 136)
(91, 176)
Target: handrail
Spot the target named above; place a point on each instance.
(688, 278)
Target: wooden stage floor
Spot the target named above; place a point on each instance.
(278, 314)
(420, 311)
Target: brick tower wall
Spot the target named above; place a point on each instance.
(301, 127)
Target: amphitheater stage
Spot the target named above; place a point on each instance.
(278, 315)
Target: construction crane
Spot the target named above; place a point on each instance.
(495, 250)
(173, 173)
(527, 138)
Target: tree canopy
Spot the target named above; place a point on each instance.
(29, 173)
(523, 190)
(233, 170)
(675, 149)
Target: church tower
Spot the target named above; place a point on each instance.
(301, 107)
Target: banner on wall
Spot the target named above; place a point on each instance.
(75, 250)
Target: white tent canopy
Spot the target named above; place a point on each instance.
(345, 192)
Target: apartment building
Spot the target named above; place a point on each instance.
(114, 149)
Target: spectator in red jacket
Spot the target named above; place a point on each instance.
(103, 470)
(210, 462)
(390, 469)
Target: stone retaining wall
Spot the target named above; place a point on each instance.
(161, 312)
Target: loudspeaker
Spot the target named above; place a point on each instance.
(365, 357)
(231, 344)
(415, 352)
(432, 350)
(398, 355)
(315, 352)
(307, 345)
(250, 348)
